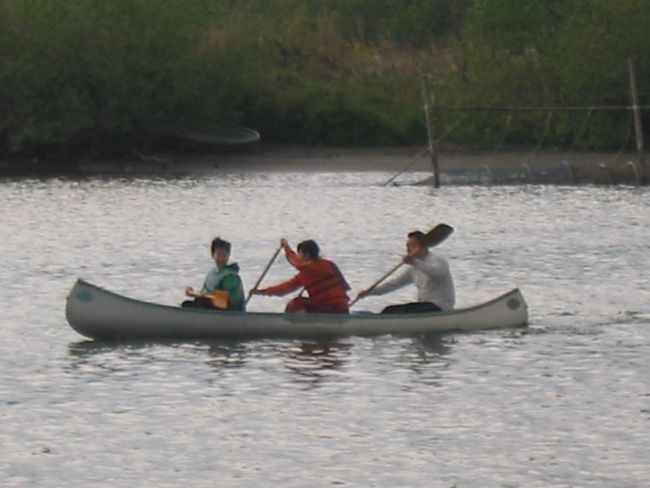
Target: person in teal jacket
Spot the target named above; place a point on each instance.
(223, 288)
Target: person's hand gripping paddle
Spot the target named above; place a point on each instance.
(432, 238)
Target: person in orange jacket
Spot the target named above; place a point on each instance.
(326, 287)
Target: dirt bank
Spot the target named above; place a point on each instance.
(456, 166)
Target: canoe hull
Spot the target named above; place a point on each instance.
(100, 314)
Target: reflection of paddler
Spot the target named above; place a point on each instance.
(325, 285)
(222, 288)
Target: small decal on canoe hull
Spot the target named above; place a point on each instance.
(513, 304)
(84, 296)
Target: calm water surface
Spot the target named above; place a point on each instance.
(563, 402)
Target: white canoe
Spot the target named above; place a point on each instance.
(100, 314)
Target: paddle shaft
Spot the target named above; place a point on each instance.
(376, 283)
(432, 238)
(266, 270)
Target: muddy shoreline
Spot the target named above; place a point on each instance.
(456, 166)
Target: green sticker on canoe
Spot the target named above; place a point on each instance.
(84, 296)
(513, 304)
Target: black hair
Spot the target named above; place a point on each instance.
(310, 248)
(418, 235)
(219, 243)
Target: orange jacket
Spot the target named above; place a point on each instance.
(321, 278)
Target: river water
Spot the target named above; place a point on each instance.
(563, 402)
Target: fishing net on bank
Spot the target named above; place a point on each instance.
(531, 145)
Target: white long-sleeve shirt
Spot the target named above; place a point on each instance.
(432, 278)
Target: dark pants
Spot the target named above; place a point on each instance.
(415, 307)
(198, 302)
(307, 305)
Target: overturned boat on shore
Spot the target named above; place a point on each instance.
(100, 314)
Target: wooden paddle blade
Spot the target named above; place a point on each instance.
(437, 235)
(432, 238)
(218, 298)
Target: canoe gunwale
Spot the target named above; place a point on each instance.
(327, 316)
(122, 317)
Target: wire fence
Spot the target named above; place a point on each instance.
(542, 163)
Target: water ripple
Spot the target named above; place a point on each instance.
(561, 403)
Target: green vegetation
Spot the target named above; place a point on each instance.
(85, 77)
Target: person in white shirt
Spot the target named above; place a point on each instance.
(431, 275)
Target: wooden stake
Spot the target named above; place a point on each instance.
(432, 145)
(638, 129)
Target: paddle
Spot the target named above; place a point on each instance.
(268, 266)
(218, 298)
(432, 238)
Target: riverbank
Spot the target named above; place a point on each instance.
(456, 166)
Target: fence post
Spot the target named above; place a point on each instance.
(638, 129)
(432, 144)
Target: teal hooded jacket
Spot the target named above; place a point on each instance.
(227, 279)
